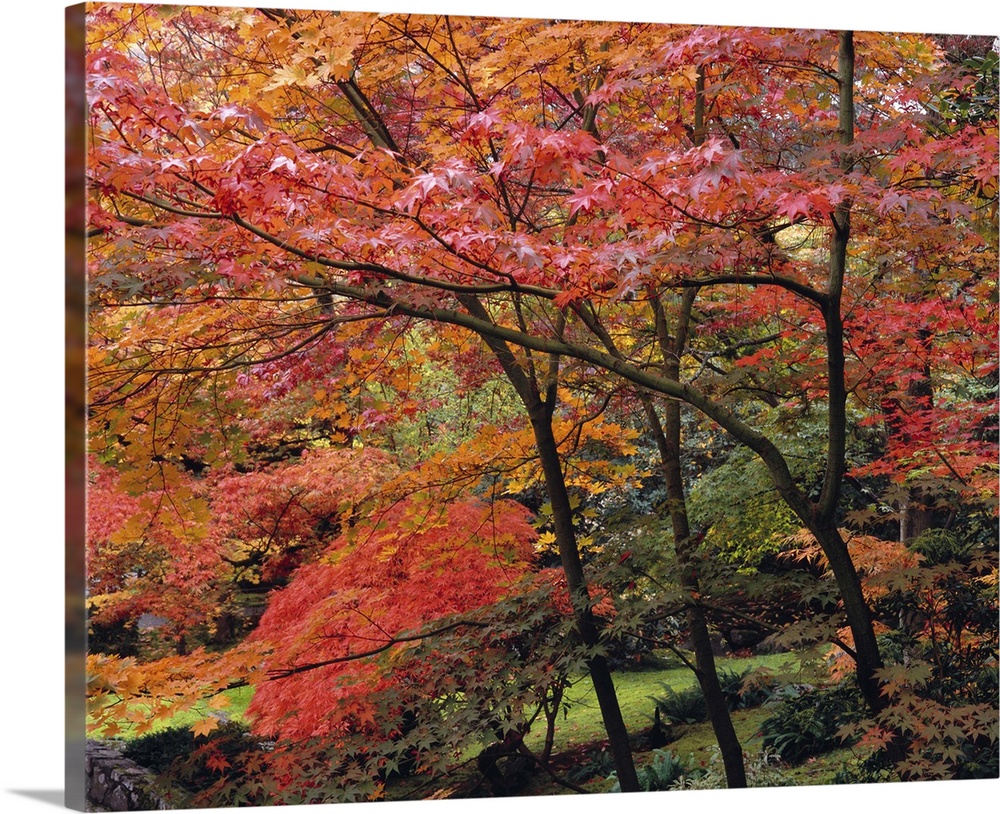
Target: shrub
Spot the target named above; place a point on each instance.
(688, 706)
(596, 763)
(940, 679)
(764, 769)
(938, 546)
(185, 758)
(662, 774)
(808, 723)
(684, 707)
(743, 694)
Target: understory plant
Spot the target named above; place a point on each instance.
(764, 769)
(195, 762)
(663, 773)
(808, 723)
(687, 706)
(943, 690)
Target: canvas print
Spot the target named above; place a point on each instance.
(490, 407)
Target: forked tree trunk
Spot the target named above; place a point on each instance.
(668, 441)
(667, 436)
(540, 412)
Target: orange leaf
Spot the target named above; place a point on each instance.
(205, 726)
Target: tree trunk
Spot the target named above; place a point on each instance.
(866, 651)
(915, 516)
(569, 554)
(668, 441)
(684, 545)
(525, 384)
(821, 518)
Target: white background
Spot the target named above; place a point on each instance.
(31, 397)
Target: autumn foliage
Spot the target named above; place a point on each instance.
(347, 269)
(365, 591)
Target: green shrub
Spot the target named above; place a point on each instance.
(596, 763)
(939, 546)
(182, 757)
(662, 774)
(743, 694)
(688, 706)
(763, 769)
(807, 723)
(158, 750)
(684, 707)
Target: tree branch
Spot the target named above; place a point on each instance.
(274, 675)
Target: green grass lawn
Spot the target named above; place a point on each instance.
(582, 723)
(239, 700)
(694, 744)
(582, 726)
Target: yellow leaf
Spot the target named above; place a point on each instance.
(293, 75)
(340, 62)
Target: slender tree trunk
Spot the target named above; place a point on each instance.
(915, 516)
(866, 651)
(821, 518)
(684, 546)
(540, 413)
(569, 554)
(668, 441)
